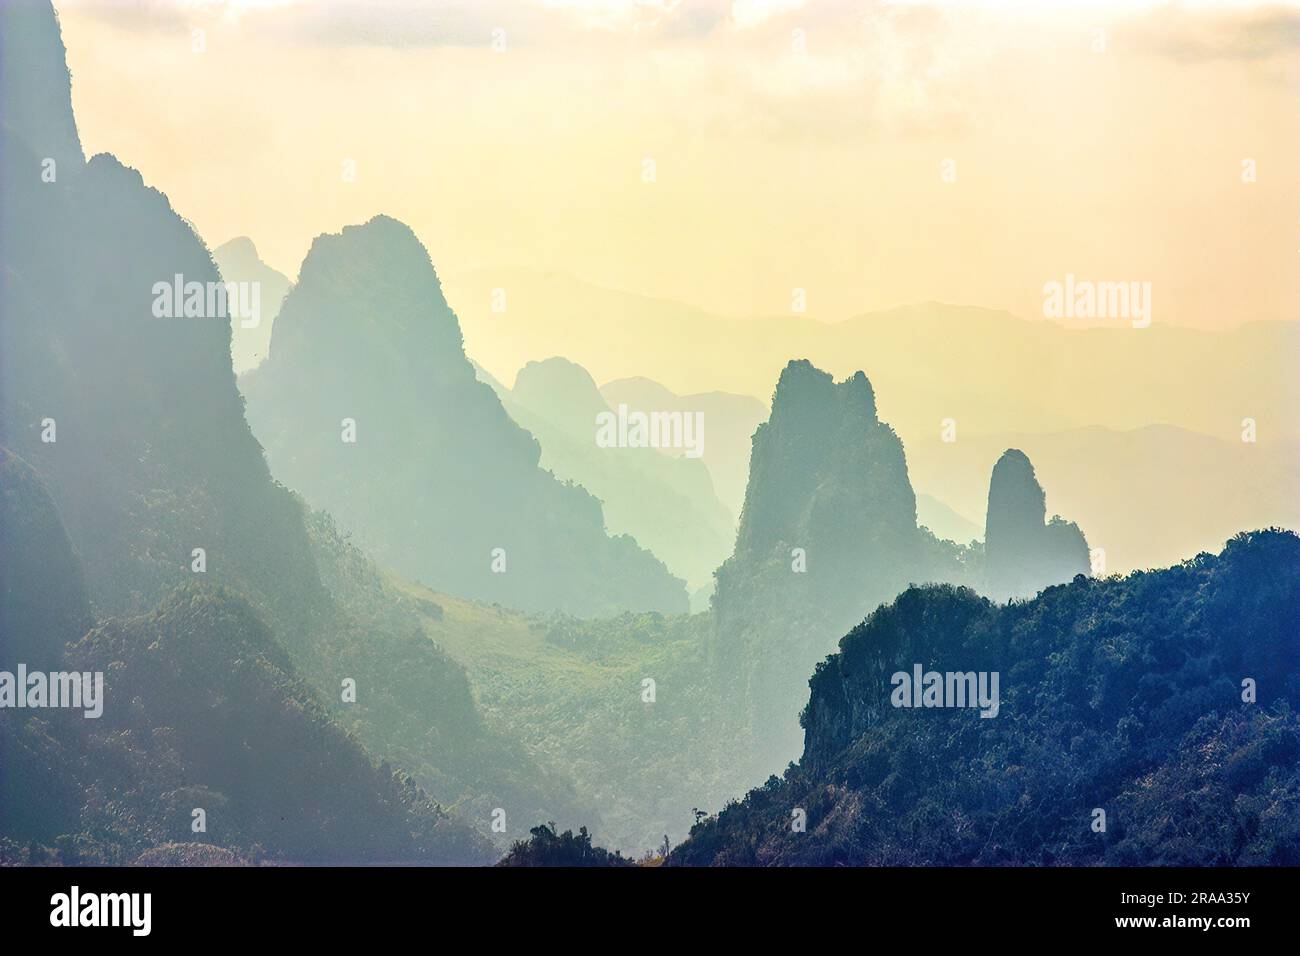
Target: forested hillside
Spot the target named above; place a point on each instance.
(205, 735)
(1166, 700)
(132, 421)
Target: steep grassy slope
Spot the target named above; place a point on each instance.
(574, 690)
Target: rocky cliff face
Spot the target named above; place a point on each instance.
(1022, 553)
(825, 468)
(369, 407)
(828, 532)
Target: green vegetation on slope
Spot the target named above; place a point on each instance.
(199, 717)
(1124, 695)
(573, 689)
(548, 848)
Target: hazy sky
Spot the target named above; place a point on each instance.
(794, 144)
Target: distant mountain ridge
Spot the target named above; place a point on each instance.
(930, 361)
(729, 419)
(944, 521)
(250, 336)
(1023, 551)
(665, 501)
(1141, 494)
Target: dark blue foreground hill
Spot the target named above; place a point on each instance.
(1120, 695)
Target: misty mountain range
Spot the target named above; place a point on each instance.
(368, 405)
(366, 604)
(250, 337)
(668, 504)
(931, 362)
(1134, 484)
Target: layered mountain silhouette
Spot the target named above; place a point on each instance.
(1022, 554)
(1149, 720)
(830, 531)
(252, 566)
(439, 483)
(130, 416)
(829, 479)
(929, 361)
(730, 421)
(829, 507)
(201, 711)
(667, 503)
(1141, 494)
(944, 521)
(133, 420)
(250, 335)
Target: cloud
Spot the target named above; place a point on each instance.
(418, 23)
(1223, 34)
(1186, 31)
